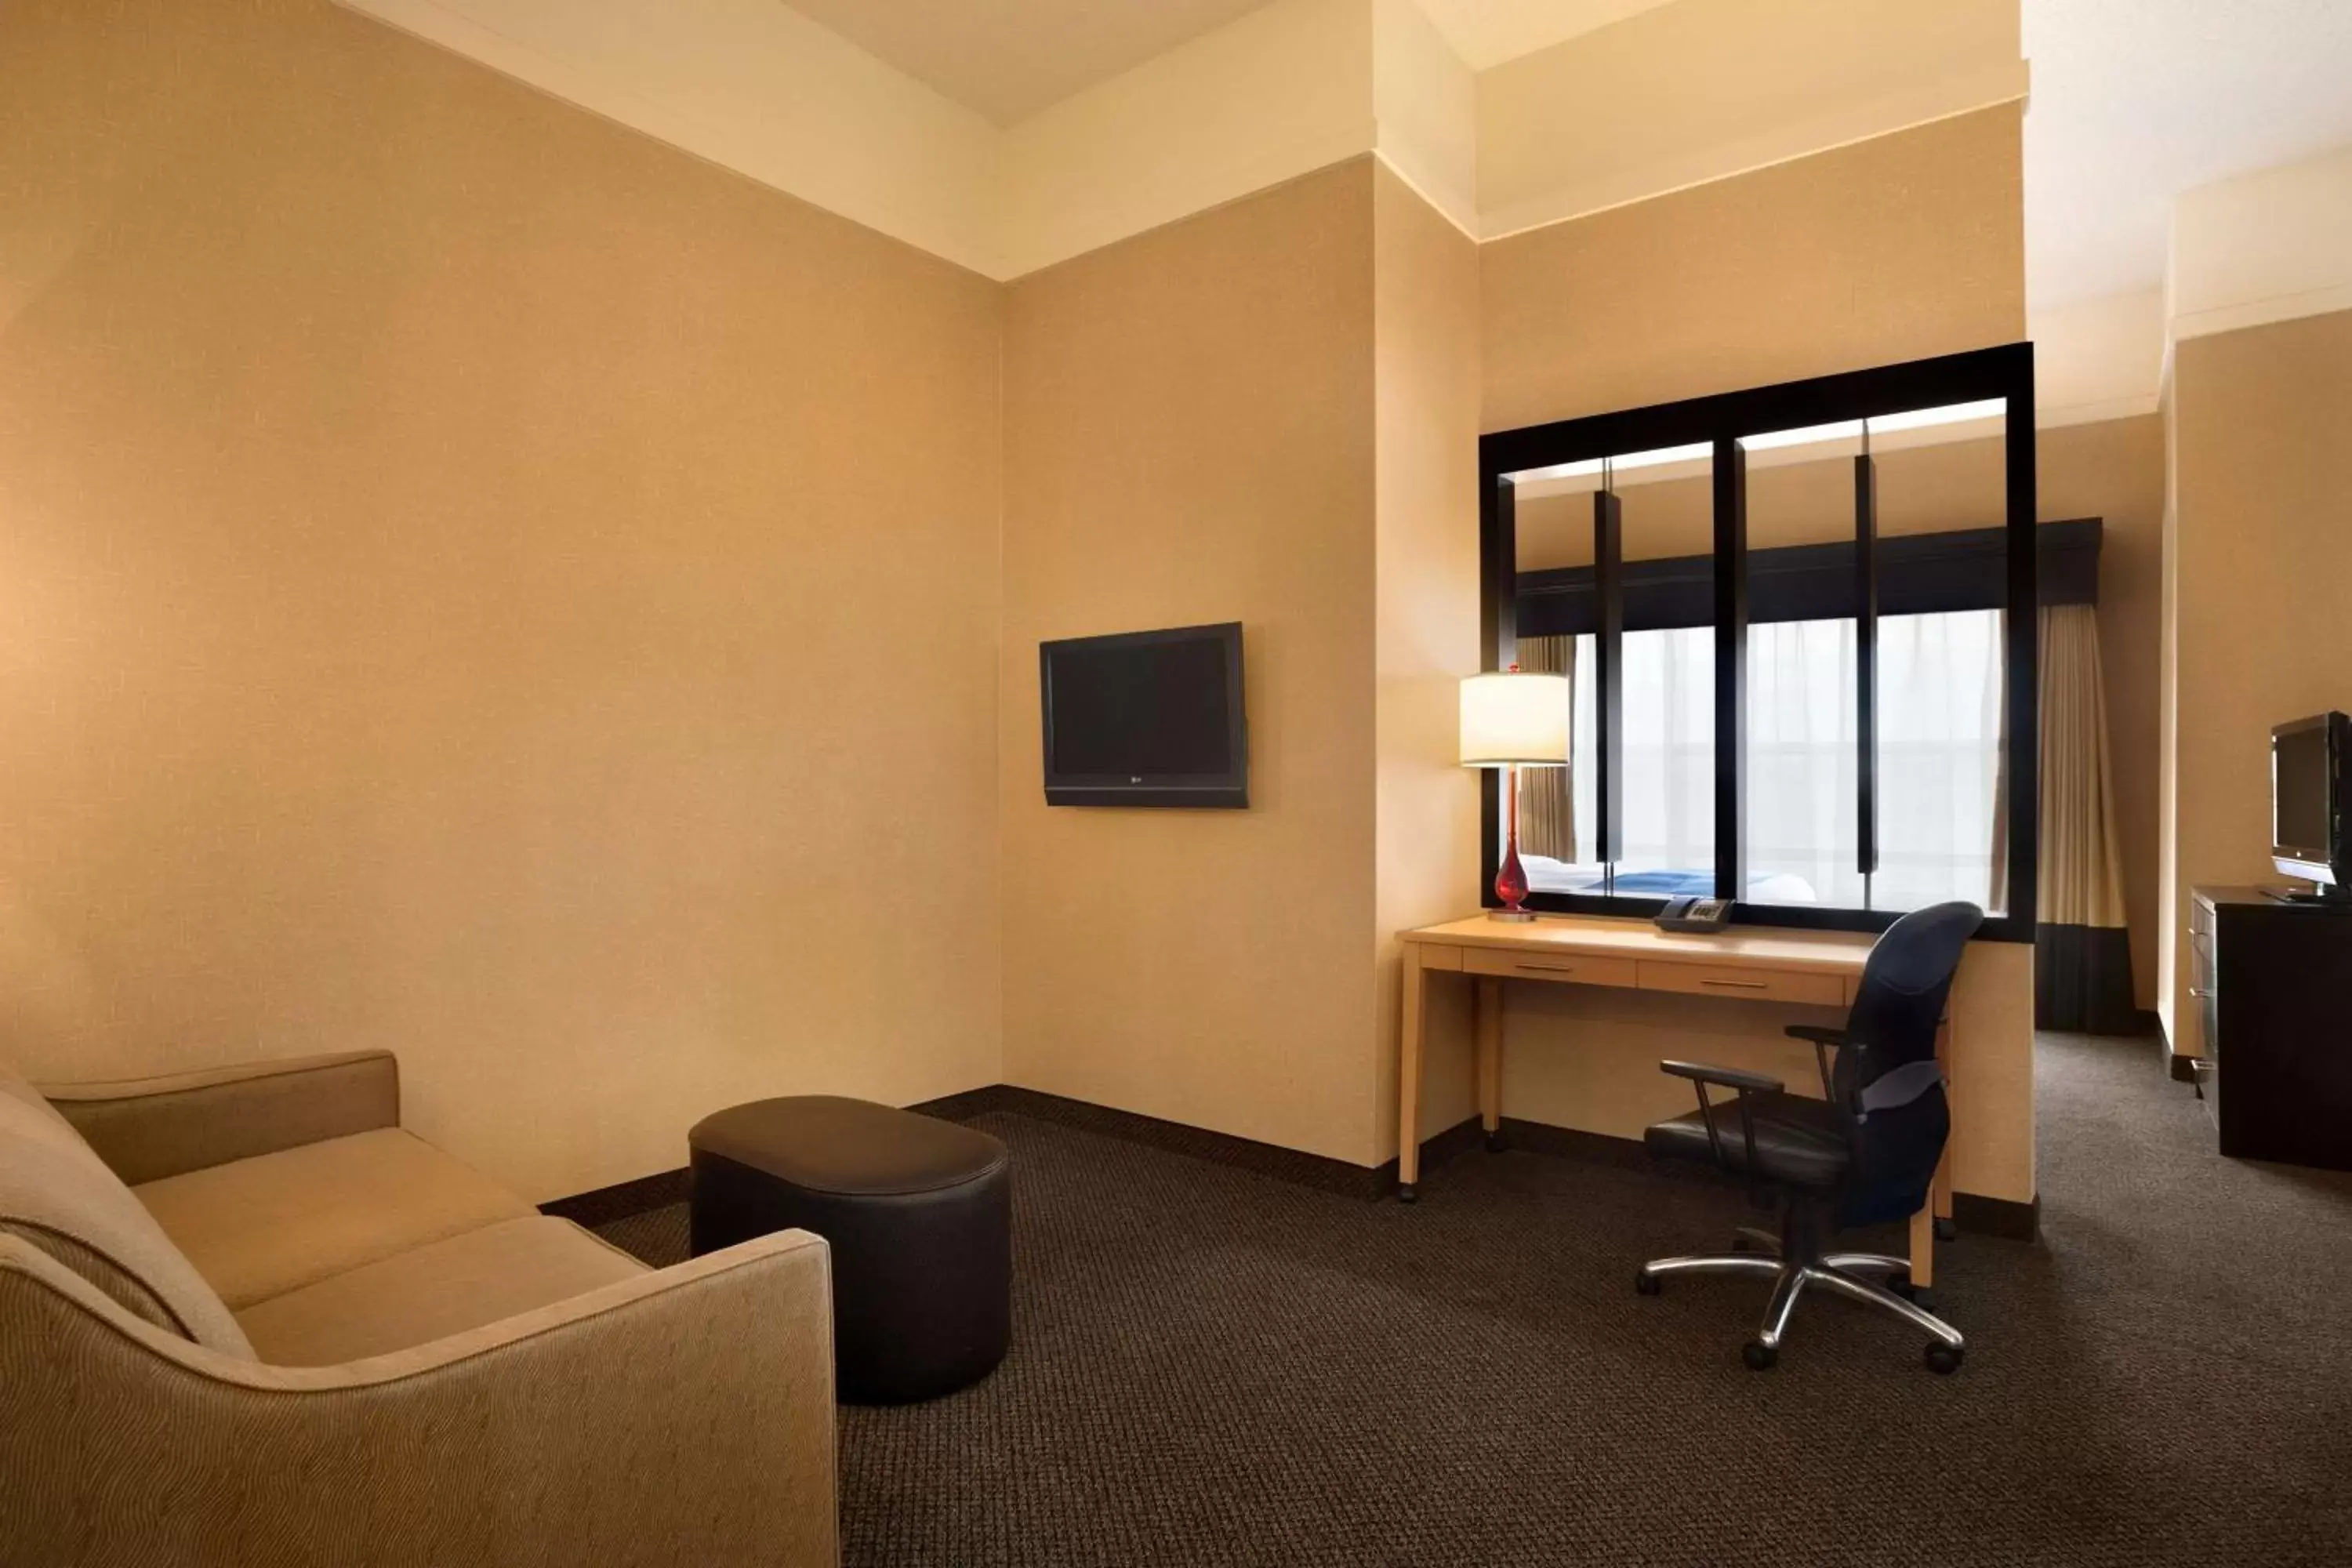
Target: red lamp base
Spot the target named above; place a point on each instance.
(1511, 880)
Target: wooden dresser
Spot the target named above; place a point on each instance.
(2272, 986)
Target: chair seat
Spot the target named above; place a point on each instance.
(259, 1228)
(432, 1292)
(826, 1143)
(1799, 1140)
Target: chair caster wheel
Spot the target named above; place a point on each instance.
(1647, 1284)
(1759, 1356)
(1947, 1231)
(1900, 1285)
(1494, 1143)
(1405, 1193)
(1943, 1360)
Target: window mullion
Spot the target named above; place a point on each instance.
(1730, 670)
(1865, 663)
(1609, 682)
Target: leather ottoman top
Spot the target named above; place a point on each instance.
(826, 1143)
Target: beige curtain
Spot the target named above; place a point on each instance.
(1547, 810)
(2082, 969)
(2081, 881)
(2080, 878)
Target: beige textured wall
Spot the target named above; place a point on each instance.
(1663, 97)
(481, 583)
(1189, 435)
(1895, 248)
(2263, 543)
(1891, 249)
(1425, 543)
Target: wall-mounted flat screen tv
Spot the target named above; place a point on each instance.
(1146, 719)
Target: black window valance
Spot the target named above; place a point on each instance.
(1920, 574)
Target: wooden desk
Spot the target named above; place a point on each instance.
(1810, 968)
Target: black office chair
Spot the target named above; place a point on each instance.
(1863, 1154)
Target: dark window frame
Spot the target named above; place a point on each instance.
(1722, 421)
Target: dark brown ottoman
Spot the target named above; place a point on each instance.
(919, 1215)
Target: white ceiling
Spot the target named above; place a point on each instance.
(2136, 100)
(1488, 32)
(2133, 100)
(1009, 58)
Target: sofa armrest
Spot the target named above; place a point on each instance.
(149, 1127)
(685, 1416)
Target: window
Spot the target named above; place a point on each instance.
(1786, 614)
(1938, 762)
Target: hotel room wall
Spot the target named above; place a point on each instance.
(1189, 435)
(1906, 246)
(479, 583)
(1425, 408)
(2263, 545)
(1898, 248)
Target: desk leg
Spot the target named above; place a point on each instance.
(1923, 1247)
(1935, 1214)
(1943, 1053)
(1411, 1025)
(1489, 1035)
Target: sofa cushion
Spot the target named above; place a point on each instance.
(260, 1228)
(57, 1194)
(443, 1287)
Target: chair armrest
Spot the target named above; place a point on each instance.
(1729, 1078)
(1825, 1040)
(685, 1416)
(149, 1127)
(1742, 1085)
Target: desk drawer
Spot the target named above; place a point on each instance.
(1574, 968)
(1738, 980)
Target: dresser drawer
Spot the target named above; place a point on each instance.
(1575, 968)
(1755, 984)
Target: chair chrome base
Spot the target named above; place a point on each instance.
(1842, 1272)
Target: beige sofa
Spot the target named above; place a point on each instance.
(246, 1319)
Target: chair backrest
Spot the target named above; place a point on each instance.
(1905, 983)
(1893, 1020)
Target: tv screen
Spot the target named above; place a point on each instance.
(1146, 719)
(2308, 760)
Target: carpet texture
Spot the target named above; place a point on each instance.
(1212, 1367)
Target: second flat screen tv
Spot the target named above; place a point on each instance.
(1146, 719)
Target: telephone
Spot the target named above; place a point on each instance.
(1695, 914)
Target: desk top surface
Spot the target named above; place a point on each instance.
(1758, 947)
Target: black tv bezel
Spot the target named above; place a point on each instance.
(1228, 791)
(2288, 857)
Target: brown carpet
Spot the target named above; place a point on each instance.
(1212, 1367)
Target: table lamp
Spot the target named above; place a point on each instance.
(1514, 719)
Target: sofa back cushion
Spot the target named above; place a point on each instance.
(59, 1195)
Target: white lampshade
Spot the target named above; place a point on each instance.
(1516, 718)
